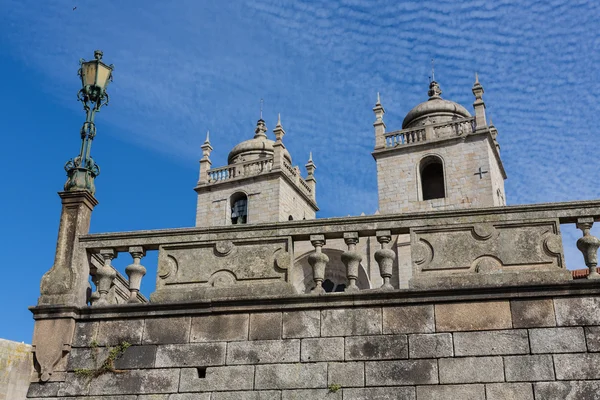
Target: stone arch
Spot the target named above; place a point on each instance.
(302, 275)
(431, 177)
(238, 208)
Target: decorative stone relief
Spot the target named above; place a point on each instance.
(52, 340)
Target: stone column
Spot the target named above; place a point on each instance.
(385, 258)
(318, 261)
(588, 245)
(351, 260)
(106, 274)
(67, 281)
(135, 272)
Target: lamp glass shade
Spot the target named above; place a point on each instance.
(88, 73)
(103, 75)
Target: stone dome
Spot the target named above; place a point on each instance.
(436, 108)
(256, 148)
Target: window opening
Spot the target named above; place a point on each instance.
(239, 209)
(432, 180)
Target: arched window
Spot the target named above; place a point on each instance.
(239, 209)
(290, 218)
(432, 178)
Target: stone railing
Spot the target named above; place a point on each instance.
(249, 168)
(430, 132)
(471, 247)
(295, 175)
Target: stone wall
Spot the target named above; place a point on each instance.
(398, 175)
(530, 342)
(16, 367)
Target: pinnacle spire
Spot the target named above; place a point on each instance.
(378, 99)
(310, 156)
(207, 137)
(476, 77)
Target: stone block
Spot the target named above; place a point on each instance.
(351, 321)
(263, 352)
(581, 390)
(74, 385)
(265, 326)
(473, 316)
(381, 393)
(400, 373)
(255, 395)
(529, 368)
(311, 394)
(240, 377)
(291, 376)
(557, 340)
(190, 355)
(167, 330)
(85, 334)
(592, 336)
(48, 389)
(532, 313)
(451, 392)
(471, 370)
(489, 343)
(302, 324)
(136, 357)
(153, 397)
(190, 396)
(219, 328)
(111, 333)
(322, 349)
(577, 366)
(430, 345)
(408, 319)
(509, 391)
(382, 347)
(577, 311)
(346, 374)
(137, 381)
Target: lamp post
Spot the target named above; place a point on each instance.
(95, 76)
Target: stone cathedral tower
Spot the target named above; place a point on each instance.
(258, 185)
(442, 159)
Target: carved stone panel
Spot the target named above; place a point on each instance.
(488, 247)
(223, 268)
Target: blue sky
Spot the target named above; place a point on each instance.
(183, 67)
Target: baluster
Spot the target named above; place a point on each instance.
(105, 275)
(588, 245)
(351, 260)
(318, 261)
(385, 258)
(135, 272)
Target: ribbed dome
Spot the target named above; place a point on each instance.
(442, 110)
(253, 149)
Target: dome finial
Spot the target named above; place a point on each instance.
(261, 129)
(434, 91)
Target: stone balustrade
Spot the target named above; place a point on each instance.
(471, 247)
(430, 132)
(249, 168)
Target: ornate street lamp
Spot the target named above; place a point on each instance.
(95, 76)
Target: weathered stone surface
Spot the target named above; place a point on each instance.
(136, 357)
(351, 321)
(408, 319)
(577, 311)
(240, 377)
(529, 368)
(472, 316)
(111, 333)
(592, 336)
(137, 381)
(448, 392)
(265, 326)
(382, 393)
(346, 374)
(471, 370)
(48, 389)
(263, 352)
(509, 391)
(190, 396)
(577, 366)
(322, 349)
(557, 340)
(86, 358)
(153, 397)
(255, 395)
(490, 343)
(85, 334)
(302, 324)
(581, 390)
(167, 330)
(190, 355)
(430, 345)
(219, 328)
(399, 373)
(532, 313)
(382, 347)
(311, 394)
(74, 385)
(291, 376)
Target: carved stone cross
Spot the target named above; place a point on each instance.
(480, 173)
